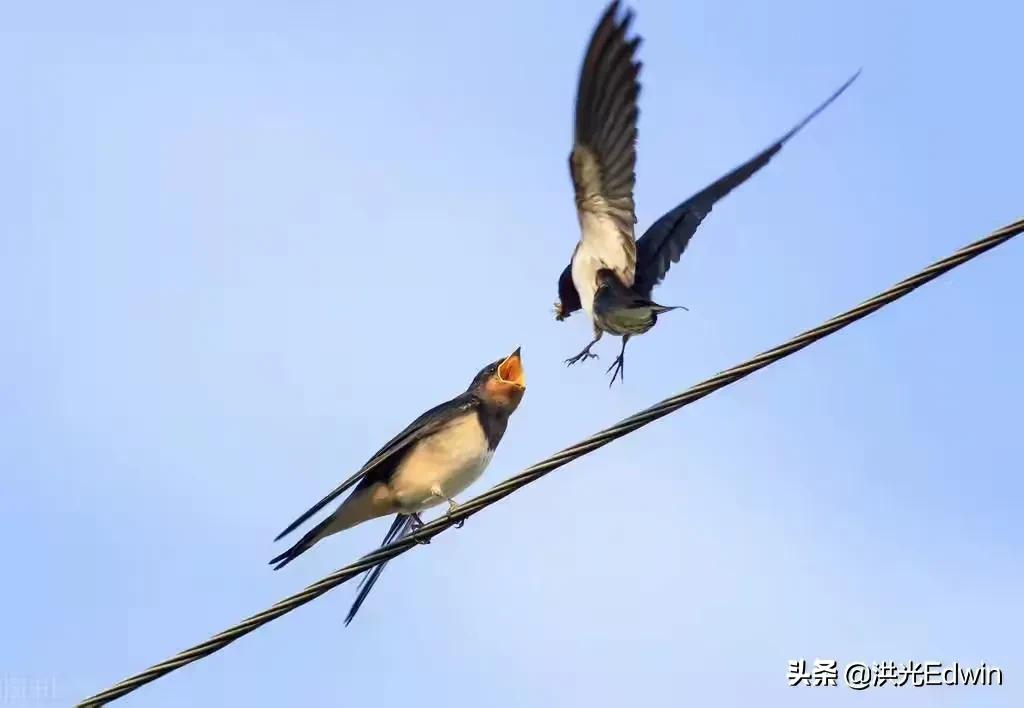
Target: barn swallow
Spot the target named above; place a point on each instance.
(611, 274)
(433, 460)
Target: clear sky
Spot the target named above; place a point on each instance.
(242, 244)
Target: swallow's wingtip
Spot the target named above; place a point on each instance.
(853, 78)
(287, 530)
(814, 114)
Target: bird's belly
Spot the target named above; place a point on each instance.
(623, 321)
(449, 461)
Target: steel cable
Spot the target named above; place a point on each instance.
(531, 474)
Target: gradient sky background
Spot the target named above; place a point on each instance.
(243, 245)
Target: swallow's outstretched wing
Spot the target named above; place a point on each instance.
(382, 464)
(603, 156)
(402, 525)
(665, 241)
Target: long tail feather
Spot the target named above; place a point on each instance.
(401, 526)
(659, 309)
(302, 545)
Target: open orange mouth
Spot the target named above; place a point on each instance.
(511, 370)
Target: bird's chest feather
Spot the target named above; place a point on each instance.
(600, 247)
(585, 264)
(452, 459)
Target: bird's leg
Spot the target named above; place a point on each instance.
(619, 364)
(585, 354)
(452, 506)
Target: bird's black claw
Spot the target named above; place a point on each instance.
(417, 524)
(583, 355)
(619, 365)
(452, 506)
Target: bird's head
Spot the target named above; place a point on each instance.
(502, 383)
(568, 298)
(606, 279)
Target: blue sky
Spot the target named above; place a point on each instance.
(243, 244)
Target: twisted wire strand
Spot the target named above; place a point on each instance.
(535, 472)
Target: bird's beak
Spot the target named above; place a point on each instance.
(511, 370)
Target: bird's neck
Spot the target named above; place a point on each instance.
(494, 420)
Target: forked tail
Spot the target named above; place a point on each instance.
(402, 525)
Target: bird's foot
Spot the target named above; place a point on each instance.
(583, 355)
(619, 366)
(417, 524)
(452, 506)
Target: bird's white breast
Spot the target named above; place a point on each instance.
(585, 264)
(602, 245)
(452, 458)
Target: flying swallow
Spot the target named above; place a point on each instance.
(611, 274)
(433, 460)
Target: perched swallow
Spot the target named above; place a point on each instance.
(611, 274)
(438, 456)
